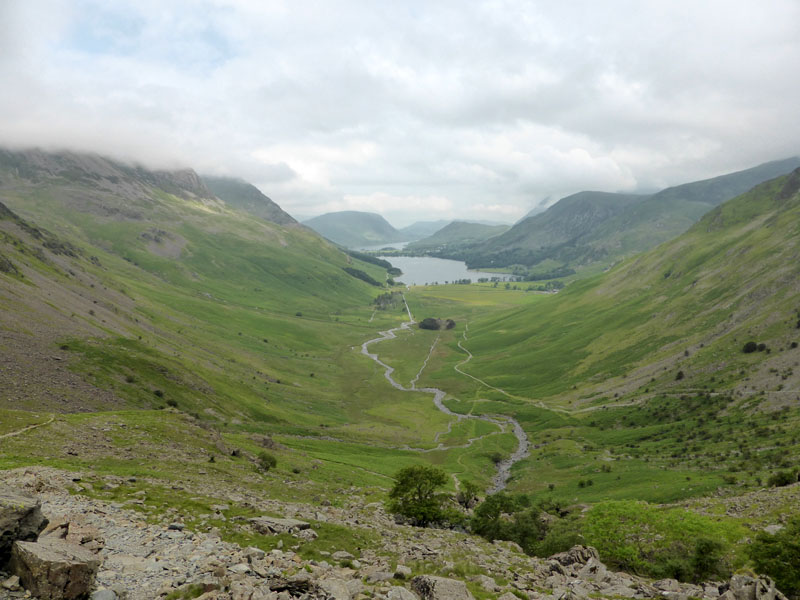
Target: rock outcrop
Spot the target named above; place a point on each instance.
(21, 518)
(428, 587)
(53, 569)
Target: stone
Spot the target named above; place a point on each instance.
(429, 587)
(103, 595)
(667, 585)
(21, 519)
(508, 596)
(399, 593)
(335, 588)
(53, 569)
(487, 583)
(577, 555)
(594, 570)
(744, 587)
(341, 555)
(275, 525)
(11, 584)
(402, 572)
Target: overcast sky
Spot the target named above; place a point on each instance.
(419, 110)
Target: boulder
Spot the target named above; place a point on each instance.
(402, 572)
(53, 569)
(399, 593)
(276, 525)
(744, 587)
(577, 555)
(335, 589)
(429, 587)
(21, 518)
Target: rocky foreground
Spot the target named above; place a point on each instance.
(109, 552)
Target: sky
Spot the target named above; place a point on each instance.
(418, 110)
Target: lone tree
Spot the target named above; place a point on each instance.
(415, 495)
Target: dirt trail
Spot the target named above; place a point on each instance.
(28, 428)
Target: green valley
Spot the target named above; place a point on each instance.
(165, 332)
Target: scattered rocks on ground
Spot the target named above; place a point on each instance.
(145, 561)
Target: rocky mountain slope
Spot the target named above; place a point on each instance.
(239, 194)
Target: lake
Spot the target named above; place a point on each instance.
(421, 270)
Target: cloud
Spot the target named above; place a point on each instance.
(412, 107)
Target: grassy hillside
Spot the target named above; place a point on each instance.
(355, 229)
(121, 297)
(596, 227)
(455, 234)
(637, 379)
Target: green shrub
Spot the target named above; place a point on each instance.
(782, 478)
(649, 540)
(778, 555)
(750, 347)
(266, 461)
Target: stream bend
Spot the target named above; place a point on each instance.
(503, 474)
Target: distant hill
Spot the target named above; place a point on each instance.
(457, 233)
(422, 229)
(590, 227)
(355, 229)
(237, 193)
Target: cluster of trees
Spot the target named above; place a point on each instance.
(359, 274)
(629, 535)
(436, 324)
(389, 301)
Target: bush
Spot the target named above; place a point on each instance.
(649, 540)
(750, 347)
(415, 495)
(782, 478)
(266, 461)
(778, 555)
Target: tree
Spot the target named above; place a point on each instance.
(415, 495)
(467, 495)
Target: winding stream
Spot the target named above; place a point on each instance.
(504, 467)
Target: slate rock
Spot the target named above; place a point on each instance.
(402, 572)
(53, 569)
(429, 587)
(399, 593)
(21, 519)
(577, 555)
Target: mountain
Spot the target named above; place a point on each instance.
(422, 229)
(149, 274)
(598, 227)
(355, 229)
(688, 305)
(239, 194)
(457, 233)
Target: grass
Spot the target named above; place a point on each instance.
(255, 330)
